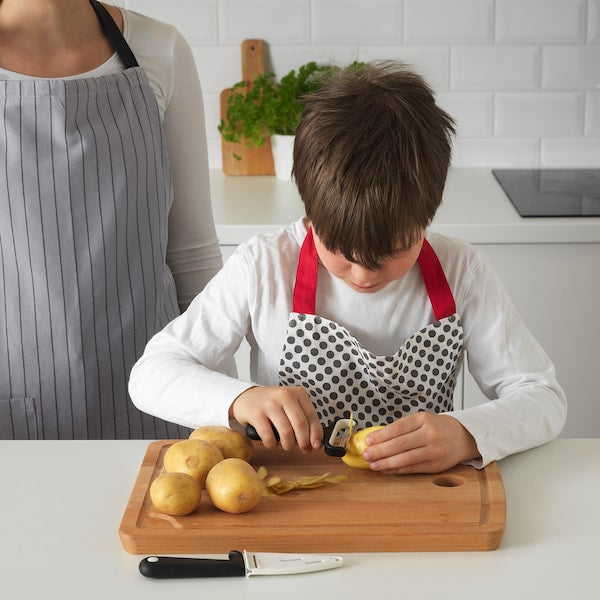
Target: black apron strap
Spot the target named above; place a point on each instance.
(115, 36)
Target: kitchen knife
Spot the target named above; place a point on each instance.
(237, 565)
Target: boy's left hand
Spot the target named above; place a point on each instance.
(420, 443)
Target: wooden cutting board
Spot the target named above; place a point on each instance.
(459, 510)
(254, 161)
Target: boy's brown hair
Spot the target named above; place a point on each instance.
(371, 157)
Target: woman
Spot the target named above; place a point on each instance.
(102, 160)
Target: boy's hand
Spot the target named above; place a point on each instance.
(288, 408)
(420, 443)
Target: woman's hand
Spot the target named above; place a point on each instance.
(288, 408)
(420, 443)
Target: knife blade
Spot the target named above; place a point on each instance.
(237, 564)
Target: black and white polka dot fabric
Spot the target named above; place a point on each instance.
(342, 377)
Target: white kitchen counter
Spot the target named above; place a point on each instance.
(62, 503)
(474, 208)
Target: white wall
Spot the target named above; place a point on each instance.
(521, 77)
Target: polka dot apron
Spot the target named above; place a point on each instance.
(342, 377)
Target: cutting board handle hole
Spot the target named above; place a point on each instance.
(448, 481)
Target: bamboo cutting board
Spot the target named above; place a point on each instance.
(254, 161)
(459, 510)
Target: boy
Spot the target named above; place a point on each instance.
(357, 307)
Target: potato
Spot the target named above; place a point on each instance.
(234, 486)
(231, 443)
(194, 457)
(356, 446)
(175, 493)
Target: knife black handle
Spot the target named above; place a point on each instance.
(253, 434)
(168, 567)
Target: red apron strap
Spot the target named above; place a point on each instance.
(305, 288)
(440, 295)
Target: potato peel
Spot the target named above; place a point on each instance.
(274, 485)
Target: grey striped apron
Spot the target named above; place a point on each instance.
(85, 191)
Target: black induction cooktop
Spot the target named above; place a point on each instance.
(552, 192)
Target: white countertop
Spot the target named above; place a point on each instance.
(62, 502)
(474, 208)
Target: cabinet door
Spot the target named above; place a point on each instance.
(556, 290)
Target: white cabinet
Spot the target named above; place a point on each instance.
(556, 290)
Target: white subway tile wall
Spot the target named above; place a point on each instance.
(521, 77)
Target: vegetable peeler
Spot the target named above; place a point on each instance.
(335, 436)
(237, 564)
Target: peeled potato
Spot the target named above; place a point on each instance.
(231, 443)
(356, 446)
(234, 486)
(175, 493)
(194, 457)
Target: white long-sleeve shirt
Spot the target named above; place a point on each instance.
(179, 376)
(193, 253)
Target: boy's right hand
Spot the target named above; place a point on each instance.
(288, 408)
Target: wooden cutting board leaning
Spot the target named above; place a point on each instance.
(462, 509)
(253, 161)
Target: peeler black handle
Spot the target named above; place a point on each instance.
(167, 567)
(332, 449)
(253, 434)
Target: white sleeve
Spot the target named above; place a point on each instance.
(181, 375)
(528, 407)
(193, 253)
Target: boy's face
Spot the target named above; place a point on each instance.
(364, 280)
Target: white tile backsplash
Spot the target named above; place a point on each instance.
(356, 21)
(594, 22)
(545, 114)
(592, 114)
(494, 67)
(448, 21)
(196, 20)
(541, 21)
(521, 77)
(473, 112)
(276, 21)
(431, 62)
(281, 59)
(573, 152)
(215, 156)
(212, 114)
(219, 67)
(495, 152)
(571, 67)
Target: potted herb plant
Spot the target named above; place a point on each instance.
(268, 108)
